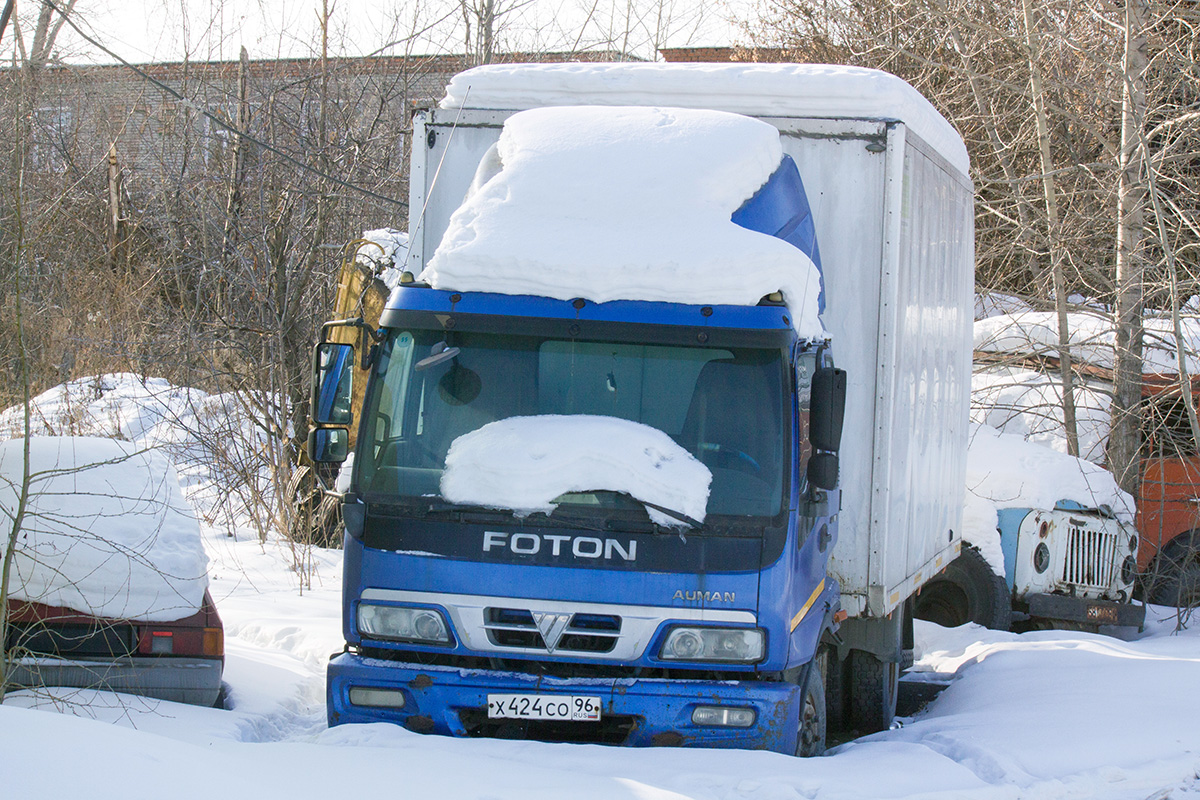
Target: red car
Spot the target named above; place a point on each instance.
(180, 661)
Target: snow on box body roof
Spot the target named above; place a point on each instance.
(106, 532)
(791, 90)
(625, 203)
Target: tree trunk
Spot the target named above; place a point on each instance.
(1050, 192)
(115, 239)
(237, 171)
(1124, 441)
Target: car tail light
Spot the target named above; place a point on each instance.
(214, 642)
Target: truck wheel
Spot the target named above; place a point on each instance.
(966, 591)
(1175, 580)
(833, 677)
(874, 685)
(316, 518)
(810, 737)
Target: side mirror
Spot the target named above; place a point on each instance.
(827, 410)
(328, 445)
(823, 470)
(332, 384)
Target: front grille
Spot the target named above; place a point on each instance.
(524, 629)
(1091, 557)
(608, 730)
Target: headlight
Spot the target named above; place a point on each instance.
(1128, 569)
(403, 624)
(713, 644)
(1041, 558)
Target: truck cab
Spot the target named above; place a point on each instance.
(685, 634)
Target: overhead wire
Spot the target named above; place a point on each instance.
(220, 122)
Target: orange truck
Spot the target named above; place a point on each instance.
(1169, 506)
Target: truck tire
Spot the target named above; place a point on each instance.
(833, 677)
(966, 591)
(874, 686)
(316, 517)
(810, 734)
(1175, 578)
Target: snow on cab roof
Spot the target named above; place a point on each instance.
(759, 90)
(627, 203)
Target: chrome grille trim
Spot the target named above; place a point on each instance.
(469, 615)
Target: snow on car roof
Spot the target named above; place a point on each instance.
(761, 90)
(106, 530)
(1028, 403)
(627, 203)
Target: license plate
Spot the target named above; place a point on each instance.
(1101, 614)
(543, 706)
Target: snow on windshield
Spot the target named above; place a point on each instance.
(106, 530)
(1005, 471)
(1093, 338)
(625, 204)
(525, 463)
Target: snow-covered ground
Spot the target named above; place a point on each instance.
(1035, 715)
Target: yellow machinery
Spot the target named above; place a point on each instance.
(360, 293)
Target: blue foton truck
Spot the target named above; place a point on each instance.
(781, 615)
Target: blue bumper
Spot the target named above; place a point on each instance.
(635, 711)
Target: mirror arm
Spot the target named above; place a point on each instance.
(327, 491)
(356, 322)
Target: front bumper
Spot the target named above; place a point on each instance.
(635, 711)
(182, 680)
(1085, 611)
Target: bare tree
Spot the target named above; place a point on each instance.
(1124, 443)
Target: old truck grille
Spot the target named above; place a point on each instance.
(1091, 558)
(550, 632)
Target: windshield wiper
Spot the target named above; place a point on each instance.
(554, 519)
(692, 524)
(673, 514)
(425, 506)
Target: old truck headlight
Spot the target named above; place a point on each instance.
(402, 624)
(1041, 557)
(1128, 569)
(742, 645)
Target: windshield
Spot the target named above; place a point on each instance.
(722, 404)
